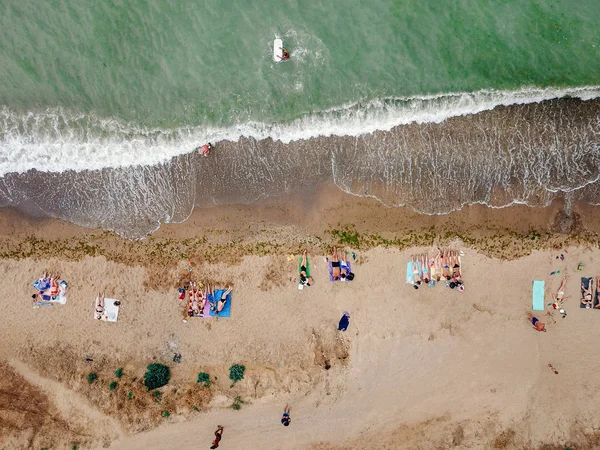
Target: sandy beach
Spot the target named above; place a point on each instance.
(416, 369)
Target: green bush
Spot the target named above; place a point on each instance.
(236, 372)
(157, 376)
(112, 386)
(129, 395)
(119, 372)
(166, 414)
(237, 403)
(92, 377)
(157, 396)
(203, 377)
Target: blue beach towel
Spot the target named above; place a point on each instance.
(226, 311)
(410, 279)
(538, 295)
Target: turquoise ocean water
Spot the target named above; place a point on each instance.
(87, 87)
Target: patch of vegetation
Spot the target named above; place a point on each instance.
(166, 414)
(112, 386)
(157, 396)
(347, 237)
(119, 372)
(237, 403)
(195, 409)
(203, 377)
(92, 377)
(236, 373)
(129, 395)
(158, 375)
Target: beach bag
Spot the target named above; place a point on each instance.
(350, 276)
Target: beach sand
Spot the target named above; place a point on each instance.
(416, 369)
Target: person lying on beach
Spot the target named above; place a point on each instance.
(196, 302)
(54, 286)
(416, 274)
(304, 279)
(597, 292)
(539, 326)
(586, 296)
(99, 310)
(336, 270)
(560, 294)
(220, 303)
(455, 266)
(446, 261)
(425, 269)
(344, 269)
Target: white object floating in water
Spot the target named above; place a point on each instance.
(277, 50)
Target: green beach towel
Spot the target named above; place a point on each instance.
(538, 295)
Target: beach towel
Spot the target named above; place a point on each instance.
(111, 311)
(410, 278)
(344, 268)
(597, 299)
(213, 300)
(585, 283)
(538, 295)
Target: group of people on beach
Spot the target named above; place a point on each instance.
(446, 265)
(48, 287)
(200, 294)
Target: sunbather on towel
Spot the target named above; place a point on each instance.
(196, 303)
(425, 268)
(586, 295)
(54, 286)
(560, 294)
(446, 262)
(438, 267)
(456, 275)
(99, 310)
(344, 269)
(416, 273)
(597, 291)
(539, 326)
(335, 265)
(304, 279)
(220, 303)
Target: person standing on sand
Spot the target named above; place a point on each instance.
(539, 326)
(218, 434)
(286, 419)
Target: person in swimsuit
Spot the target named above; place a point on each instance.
(446, 261)
(285, 418)
(597, 292)
(54, 286)
(304, 278)
(560, 294)
(455, 266)
(284, 53)
(586, 295)
(539, 326)
(99, 311)
(221, 302)
(336, 271)
(218, 436)
(416, 273)
(425, 268)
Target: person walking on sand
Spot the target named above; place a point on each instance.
(286, 419)
(539, 326)
(218, 435)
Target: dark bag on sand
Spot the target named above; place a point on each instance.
(350, 276)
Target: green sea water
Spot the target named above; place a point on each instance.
(209, 62)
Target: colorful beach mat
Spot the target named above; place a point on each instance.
(538, 295)
(111, 311)
(226, 311)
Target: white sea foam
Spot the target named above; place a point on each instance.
(57, 140)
